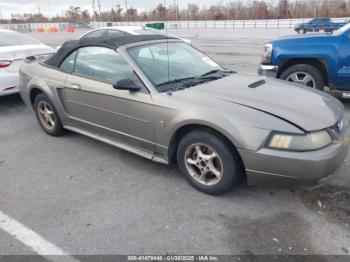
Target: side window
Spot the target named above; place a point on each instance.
(116, 33)
(68, 63)
(95, 34)
(103, 64)
(145, 53)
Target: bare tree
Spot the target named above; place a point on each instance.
(85, 16)
(132, 14)
(193, 11)
(236, 9)
(283, 9)
(73, 13)
(116, 14)
(161, 12)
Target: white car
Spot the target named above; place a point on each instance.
(14, 48)
(121, 31)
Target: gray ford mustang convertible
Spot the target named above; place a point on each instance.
(164, 100)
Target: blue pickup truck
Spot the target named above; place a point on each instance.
(319, 61)
(319, 24)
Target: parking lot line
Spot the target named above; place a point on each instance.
(33, 240)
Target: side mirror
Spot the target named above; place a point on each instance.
(126, 84)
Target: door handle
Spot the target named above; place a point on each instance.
(75, 86)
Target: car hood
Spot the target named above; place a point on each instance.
(23, 51)
(304, 107)
(306, 38)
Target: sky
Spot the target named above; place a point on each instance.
(52, 7)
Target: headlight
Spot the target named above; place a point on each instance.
(343, 122)
(267, 54)
(308, 142)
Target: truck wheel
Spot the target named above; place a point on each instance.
(304, 74)
(209, 163)
(304, 31)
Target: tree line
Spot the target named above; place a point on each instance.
(234, 10)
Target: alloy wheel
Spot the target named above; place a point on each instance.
(204, 164)
(302, 78)
(46, 115)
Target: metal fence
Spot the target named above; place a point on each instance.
(270, 23)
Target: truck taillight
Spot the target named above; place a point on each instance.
(5, 63)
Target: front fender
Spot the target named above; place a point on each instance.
(220, 123)
(327, 53)
(246, 128)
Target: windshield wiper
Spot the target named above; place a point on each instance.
(194, 80)
(175, 81)
(216, 71)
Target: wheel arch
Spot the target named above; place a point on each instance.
(33, 92)
(320, 64)
(186, 128)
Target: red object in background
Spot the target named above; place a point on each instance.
(9, 88)
(53, 30)
(70, 29)
(4, 63)
(40, 30)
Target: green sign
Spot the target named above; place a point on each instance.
(156, 25)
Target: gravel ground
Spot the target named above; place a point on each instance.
(90, 198)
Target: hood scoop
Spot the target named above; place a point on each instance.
(257, 83)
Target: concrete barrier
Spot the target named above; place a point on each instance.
(53, 29)
(70, 29)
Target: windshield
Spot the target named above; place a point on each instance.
(14, 38)
(168, 62)
(342, 30)
(150, 31)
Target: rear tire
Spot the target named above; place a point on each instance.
(295, 74)
(209, 163)
(47, 116)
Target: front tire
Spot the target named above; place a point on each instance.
(304, 74)
(209, 163)
(47, 116)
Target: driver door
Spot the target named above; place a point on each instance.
(94, 105)
(342, 79)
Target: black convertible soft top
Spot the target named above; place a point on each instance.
(113, 43)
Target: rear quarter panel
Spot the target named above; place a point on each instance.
(35, 75)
